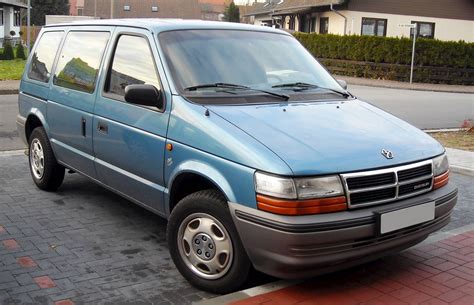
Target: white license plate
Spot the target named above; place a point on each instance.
(399, 219)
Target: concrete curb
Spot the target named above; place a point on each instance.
(462, 170)
(9, 91)
(251, 292)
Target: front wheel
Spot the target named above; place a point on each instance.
(205, 245)
(47, 174)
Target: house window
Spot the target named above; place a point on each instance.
(374, 27)
(1, 15)
(80, 11)
(313, 25)
(154, 8)
(126, 8)
(323, 25)
(424, 29)
(16, 17)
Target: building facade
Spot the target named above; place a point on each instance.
(105, 9)
(10, 20)
(440, 19)
(76, 7)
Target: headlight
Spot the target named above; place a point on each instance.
(318, 187)
(440, 165)
(299, 196)
(301, 188)
(275, 186)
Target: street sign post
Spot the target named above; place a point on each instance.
(411, 26)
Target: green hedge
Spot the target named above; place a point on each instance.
(429, 52)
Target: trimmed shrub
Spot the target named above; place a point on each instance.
(8, 53)
(20, 51)
(429, 52)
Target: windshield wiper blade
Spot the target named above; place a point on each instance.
(239, 87)
(296, 84)
(216, 85)
(305, 86)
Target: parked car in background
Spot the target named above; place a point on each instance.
(239, 137)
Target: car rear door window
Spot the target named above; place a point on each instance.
(132, 64)
(80, 59)
(43, 58)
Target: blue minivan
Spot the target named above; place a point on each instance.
(255, 154)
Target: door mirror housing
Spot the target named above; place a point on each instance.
(145, 95)
(343, 83)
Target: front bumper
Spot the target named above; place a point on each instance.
(294, 247)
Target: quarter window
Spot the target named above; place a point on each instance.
(132, 64)
(324, 25)
(424, 29)
(43, 58)
(80, 59)
(374, 27)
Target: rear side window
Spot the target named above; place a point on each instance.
(43, 58)
(132, 64)
(80, 59)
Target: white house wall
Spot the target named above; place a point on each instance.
(445, 29)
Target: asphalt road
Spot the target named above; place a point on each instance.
(426, 110)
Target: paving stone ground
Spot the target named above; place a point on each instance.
(83, 244)
(86, 245)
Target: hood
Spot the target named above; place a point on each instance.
(331, 137)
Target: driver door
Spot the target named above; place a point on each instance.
(129, 140)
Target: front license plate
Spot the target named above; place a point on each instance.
(399, 219)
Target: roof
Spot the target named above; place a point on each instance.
(17, 3)
(273, 7)
(167, 24)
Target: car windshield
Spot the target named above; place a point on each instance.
(203, 61)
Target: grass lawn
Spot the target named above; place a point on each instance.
(457, 139)
(11, 69)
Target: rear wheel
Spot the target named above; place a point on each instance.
(205, 245)
(47, 174)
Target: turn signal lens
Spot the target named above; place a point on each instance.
(441, 180)
(301, 207)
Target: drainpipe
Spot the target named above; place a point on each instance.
(345, 18)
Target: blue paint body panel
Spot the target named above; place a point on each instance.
(226, 147)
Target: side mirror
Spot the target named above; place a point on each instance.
(343, 83)
(145, 95)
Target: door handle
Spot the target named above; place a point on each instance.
(83, 127)
(102, 128)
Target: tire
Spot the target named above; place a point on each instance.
(202, 215)
(47, 174)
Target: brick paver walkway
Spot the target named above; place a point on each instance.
(433, 274)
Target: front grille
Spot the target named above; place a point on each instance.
(385, 185)
(376, 195)
(414, 187)
(411, 173)
(369, 181)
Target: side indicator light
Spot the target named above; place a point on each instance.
(441, 180)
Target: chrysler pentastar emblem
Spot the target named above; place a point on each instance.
(387, 153)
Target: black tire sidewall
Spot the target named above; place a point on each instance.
(209, 202)
(53, 174)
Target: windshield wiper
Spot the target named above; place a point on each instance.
(306, 86)
(238, 87)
